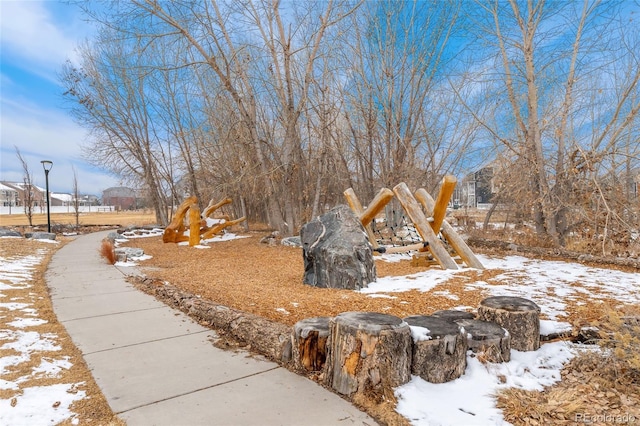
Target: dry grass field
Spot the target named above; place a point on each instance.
(122, 218)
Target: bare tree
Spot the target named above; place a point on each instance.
(548, 109)
(27, 187)
(76, 197)
(109, 96)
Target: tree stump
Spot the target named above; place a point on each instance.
(487, 339)
(368, 353)
(520, 317)
(439, 348)
(453, 315)
(309, 343)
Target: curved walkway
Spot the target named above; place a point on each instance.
(156, 366)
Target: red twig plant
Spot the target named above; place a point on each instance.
(108, 251)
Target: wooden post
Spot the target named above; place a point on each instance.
(440, 208)
(194, 225)
(376, 205)
(519, 316)
(412, 207)
(356, 207)
(449, 233)
(173, 231)
(368, 353)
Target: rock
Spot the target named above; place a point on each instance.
(40, 235)
(336, 251)
(125, 253)
(4, 232)
(291, 242)
(271, 240)
(112, 236)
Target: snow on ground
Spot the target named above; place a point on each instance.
(470, 399)
(20, 342)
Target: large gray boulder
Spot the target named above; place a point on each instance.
(336, 251)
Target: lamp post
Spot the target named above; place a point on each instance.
(47, 165)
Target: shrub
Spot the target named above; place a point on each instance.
(108, 251)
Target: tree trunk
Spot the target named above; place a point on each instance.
(439, 348)
(487, 340)
(368, 353)
(520, 317)
(309, 343)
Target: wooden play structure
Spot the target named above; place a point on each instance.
(198, 229)
(427, 215)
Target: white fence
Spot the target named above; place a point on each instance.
(56, 209)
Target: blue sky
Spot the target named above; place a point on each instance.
(37, 37)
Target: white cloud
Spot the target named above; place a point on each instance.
(31, 34)
(48, 134)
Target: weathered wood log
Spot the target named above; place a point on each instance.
(220, 226)
(356, 207)
(412, 207)
(213, 207)
(368, 353)
(453, 315)
(376, 205)
(452, 237)
(309, 343)
(439, 348)
(487, 339)
(422, 247)
(173, 232)
(519, 316)
(444, 195)
(194, 226)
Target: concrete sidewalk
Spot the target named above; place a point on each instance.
(156, 366)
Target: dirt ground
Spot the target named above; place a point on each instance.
(267, 281)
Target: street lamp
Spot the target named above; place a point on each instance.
(47, 165)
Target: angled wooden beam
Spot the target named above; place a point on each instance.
(356, 207)
(449, 233)
(440, 208)
(413, 209)
(376, 205)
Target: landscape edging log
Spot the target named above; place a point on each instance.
(269, 338)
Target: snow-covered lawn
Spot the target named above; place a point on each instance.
(470, 400)
(32, 391)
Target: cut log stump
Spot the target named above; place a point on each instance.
(439, 348)
(368, 353)
(520, 317)
(453, 315)
(487, 339)
(309, 343)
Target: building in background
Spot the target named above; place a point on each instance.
(120, 197)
